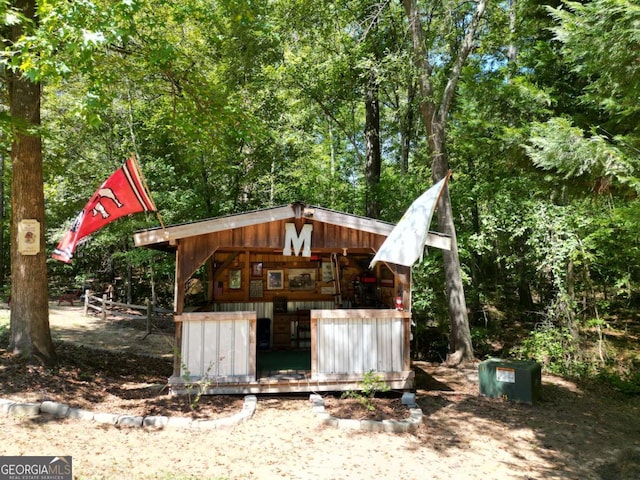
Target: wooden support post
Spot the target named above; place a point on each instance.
(149, 314)
(178, 308)
(87, 292)
(104, 306)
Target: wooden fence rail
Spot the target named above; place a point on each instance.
(104, 306)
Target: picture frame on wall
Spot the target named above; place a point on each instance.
(302, 279)
(275, 279)
(256, 269)
(255, 289)
(327, 272)
(235, 279)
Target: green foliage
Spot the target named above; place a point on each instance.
(627, 384)
(369, 387)
(195, 390)
(613, 253)
(234, 106)
(551, 345)
(481, 338)
(598, 40)
(601, 38)
(558, 145)
(428, 300)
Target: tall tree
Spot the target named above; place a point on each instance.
(435, 108)
(43, 41)
(601, 40)
(29, 324)
(373, 161)
(372, 142)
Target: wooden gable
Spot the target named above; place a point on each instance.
(265, 229)
(261, 235)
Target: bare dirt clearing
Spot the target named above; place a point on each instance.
(573, 433)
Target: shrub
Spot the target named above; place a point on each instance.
(371, 385)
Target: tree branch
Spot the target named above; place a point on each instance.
(466, 47)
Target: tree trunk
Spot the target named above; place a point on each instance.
(2, 223)
(512, 49)
(406, 127)
(372, 138)
(434, 117)
(460, 345)
(206, 188)
(476, 274)
(29, 323)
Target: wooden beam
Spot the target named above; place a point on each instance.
(214, 316)
(438, 240)
(224, 266)
(359, 313)
(151, 237)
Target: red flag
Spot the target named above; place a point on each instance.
(121, 194)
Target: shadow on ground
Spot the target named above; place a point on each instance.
(571, 432)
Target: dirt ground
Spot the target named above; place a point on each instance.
(573, 432)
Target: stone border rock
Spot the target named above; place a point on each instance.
(60, 410)
(409, 424)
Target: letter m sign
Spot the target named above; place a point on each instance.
(298, 242)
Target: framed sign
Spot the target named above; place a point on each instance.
(29, 237)
(255, 289)
(235, 279)
(256, 270)
(275, 280)
(327, 272)
(302, 279)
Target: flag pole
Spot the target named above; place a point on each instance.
(134, 157)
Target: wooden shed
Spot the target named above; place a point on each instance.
(283, 300)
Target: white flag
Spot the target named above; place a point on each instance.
(405, 243)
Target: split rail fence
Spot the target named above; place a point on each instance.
(104, 307)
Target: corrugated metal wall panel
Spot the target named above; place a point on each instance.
(192, 350)
(359, 345)
(356, 351)
(216, 348)
(226, 347)
(210, 348)
(384, 341)
(265, 309)
(240, 350)
(341, 343)
(370, 352)
(324, 340)
(397, 351)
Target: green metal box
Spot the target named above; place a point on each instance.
(516, 380)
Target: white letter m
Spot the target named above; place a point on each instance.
(298, 241)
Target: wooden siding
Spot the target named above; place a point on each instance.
(270, 237)
(358, 341)
(259, 228)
